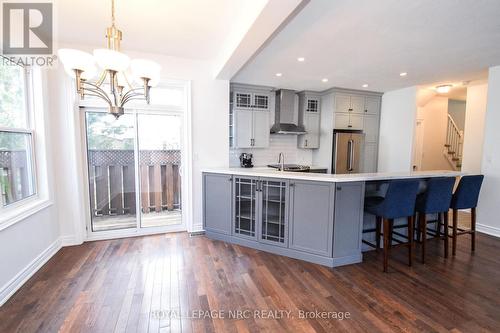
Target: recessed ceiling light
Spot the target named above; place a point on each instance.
(403, 74)
(301, 59)
(324, 80)
(278, 74)
(365, 85)
(443, 89)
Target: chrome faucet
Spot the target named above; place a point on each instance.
(281, 162)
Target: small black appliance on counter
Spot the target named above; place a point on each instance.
(246, 160)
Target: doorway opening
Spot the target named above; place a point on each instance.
(439, 144)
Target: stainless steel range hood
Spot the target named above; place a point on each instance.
(286, 114)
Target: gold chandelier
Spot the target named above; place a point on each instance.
(117, 69)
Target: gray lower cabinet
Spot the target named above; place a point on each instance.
(320, 222)
(311, 216)
(261, 209)
(245, 203)
(348, 220)
(217, 198)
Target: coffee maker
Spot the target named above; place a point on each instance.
(246, 160)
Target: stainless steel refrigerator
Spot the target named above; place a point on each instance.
(347, 151)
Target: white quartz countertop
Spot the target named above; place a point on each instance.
(353, 177)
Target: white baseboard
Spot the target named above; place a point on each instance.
(486, 229)
(17, 281)
(69, 241)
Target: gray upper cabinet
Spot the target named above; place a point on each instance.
(372, 105)
(370, 127)
(357, 104)
(357, 110)
(250, 118)
(348, 220)
(261, 127)
(311, 216)
(217, 199)
(309, 117)
(349, 103)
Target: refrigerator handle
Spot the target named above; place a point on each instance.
(350, 152)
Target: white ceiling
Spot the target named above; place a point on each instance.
(194, 29)
(356, 42)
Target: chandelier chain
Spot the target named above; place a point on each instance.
(113, 13)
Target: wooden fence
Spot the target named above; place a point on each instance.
(112, 181)
(14, 180)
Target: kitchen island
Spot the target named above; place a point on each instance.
(313, 217)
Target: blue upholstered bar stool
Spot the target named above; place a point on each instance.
(466, 196)
(435, 200)
(399, 201)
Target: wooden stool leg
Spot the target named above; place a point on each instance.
(377, 232)
(454, 237)
(386, 243)
(446, 234)
(418, 227)
(423, 230)
(473, 229)
(438, 225)
(391, 227)
(410, 240)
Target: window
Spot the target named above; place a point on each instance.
(17, 176)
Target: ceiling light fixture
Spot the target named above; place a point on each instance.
(365, 85)
(444, 89)
(116, 69)
(324, 80)
(301, 59)
(403, 74)
(279, 74)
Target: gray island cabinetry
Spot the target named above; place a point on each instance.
(309, 220)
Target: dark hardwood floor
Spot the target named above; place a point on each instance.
(120, 285)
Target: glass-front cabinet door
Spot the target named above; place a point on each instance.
(273, 212)
(245, 207)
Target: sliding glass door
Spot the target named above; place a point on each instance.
(159, 139)
(134, 168)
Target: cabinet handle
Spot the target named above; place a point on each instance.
(366, 110)
(349, 126)
(339, 188)
(350, 109)
(230, 179)
(292, 184)
(306, 142)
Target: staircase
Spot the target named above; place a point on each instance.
(454, 144)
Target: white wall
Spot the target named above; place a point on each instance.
(472, 153)
(28, 243)
(397, 127)
(456, 109)
(489, 201)
(435, 120)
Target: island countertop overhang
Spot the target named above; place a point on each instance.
(332, 178)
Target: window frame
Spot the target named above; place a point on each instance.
(20, 209)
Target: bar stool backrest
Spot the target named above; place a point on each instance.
(399, 200)
(467, 193)
(437, 196)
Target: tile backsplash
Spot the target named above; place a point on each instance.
(278, 143)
